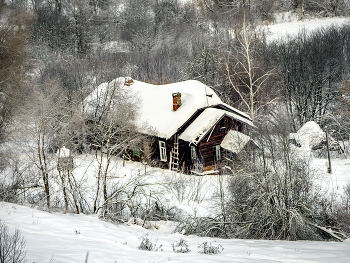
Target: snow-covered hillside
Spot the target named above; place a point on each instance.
(53, 236)
(57, 237)
(288, 24)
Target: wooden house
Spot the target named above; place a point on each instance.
(190, 124)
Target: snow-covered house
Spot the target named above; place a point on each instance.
(188, 120)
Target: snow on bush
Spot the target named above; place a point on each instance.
(181, 246)
(12, 246)
(147, 244)
(208, 248)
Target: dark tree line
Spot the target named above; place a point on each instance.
(14, 33)
(75, 45)
(84, 43)
(80, 44)
(311, 67)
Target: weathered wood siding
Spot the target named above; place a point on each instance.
(215, 137)
(205, 150)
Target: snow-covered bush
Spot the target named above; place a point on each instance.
(347, 196)
(185, 187)
(271, 196)
(208, 248)
(138, 197)
(274, 196)
(181, 246)
(147, 244)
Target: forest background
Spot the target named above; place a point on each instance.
(55, 52)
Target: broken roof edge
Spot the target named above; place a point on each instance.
(234, 110)
(235, 141)
(228, 114)
(194, 136)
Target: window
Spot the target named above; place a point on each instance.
(217, 153)
(193, 152)
(162, 151)
(222, 123)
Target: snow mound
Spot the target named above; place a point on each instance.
(310, 135)
(63, 152)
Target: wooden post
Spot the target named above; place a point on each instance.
(171, 159)
(145, 167)
(329, 169)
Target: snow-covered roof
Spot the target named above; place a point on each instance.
(156, 104)
(235, 141)
(205, 121)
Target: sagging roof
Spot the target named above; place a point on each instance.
(205, 122)
(156, 106)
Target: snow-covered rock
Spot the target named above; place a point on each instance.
(310, 135)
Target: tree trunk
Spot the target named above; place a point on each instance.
(43, 168)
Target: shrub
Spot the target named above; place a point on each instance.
(12, 246)
(181, 246)
(208, 248)
(146, 244)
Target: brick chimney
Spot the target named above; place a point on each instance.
(128, 81)
(176, 100)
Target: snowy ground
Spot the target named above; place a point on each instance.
(52, 237)
(57, 237)
(340, 176)
(290, 25)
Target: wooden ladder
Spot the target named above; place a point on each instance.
(174, 155)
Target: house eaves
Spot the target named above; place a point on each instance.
(205, 122)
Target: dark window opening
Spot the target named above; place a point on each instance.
(222, 123)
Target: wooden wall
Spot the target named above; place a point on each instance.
(206, 153)
(215, 137)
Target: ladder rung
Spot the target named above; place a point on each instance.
(175, 155)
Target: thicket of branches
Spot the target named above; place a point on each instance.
(75, 45)
(272, 196)
(12, 246)
(84, 43)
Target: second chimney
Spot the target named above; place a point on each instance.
(176, 100)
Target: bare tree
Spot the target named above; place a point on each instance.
(246, 78)
(39, 127)
(12, 246)
(111, 112)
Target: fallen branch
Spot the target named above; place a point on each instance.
(330, 232)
